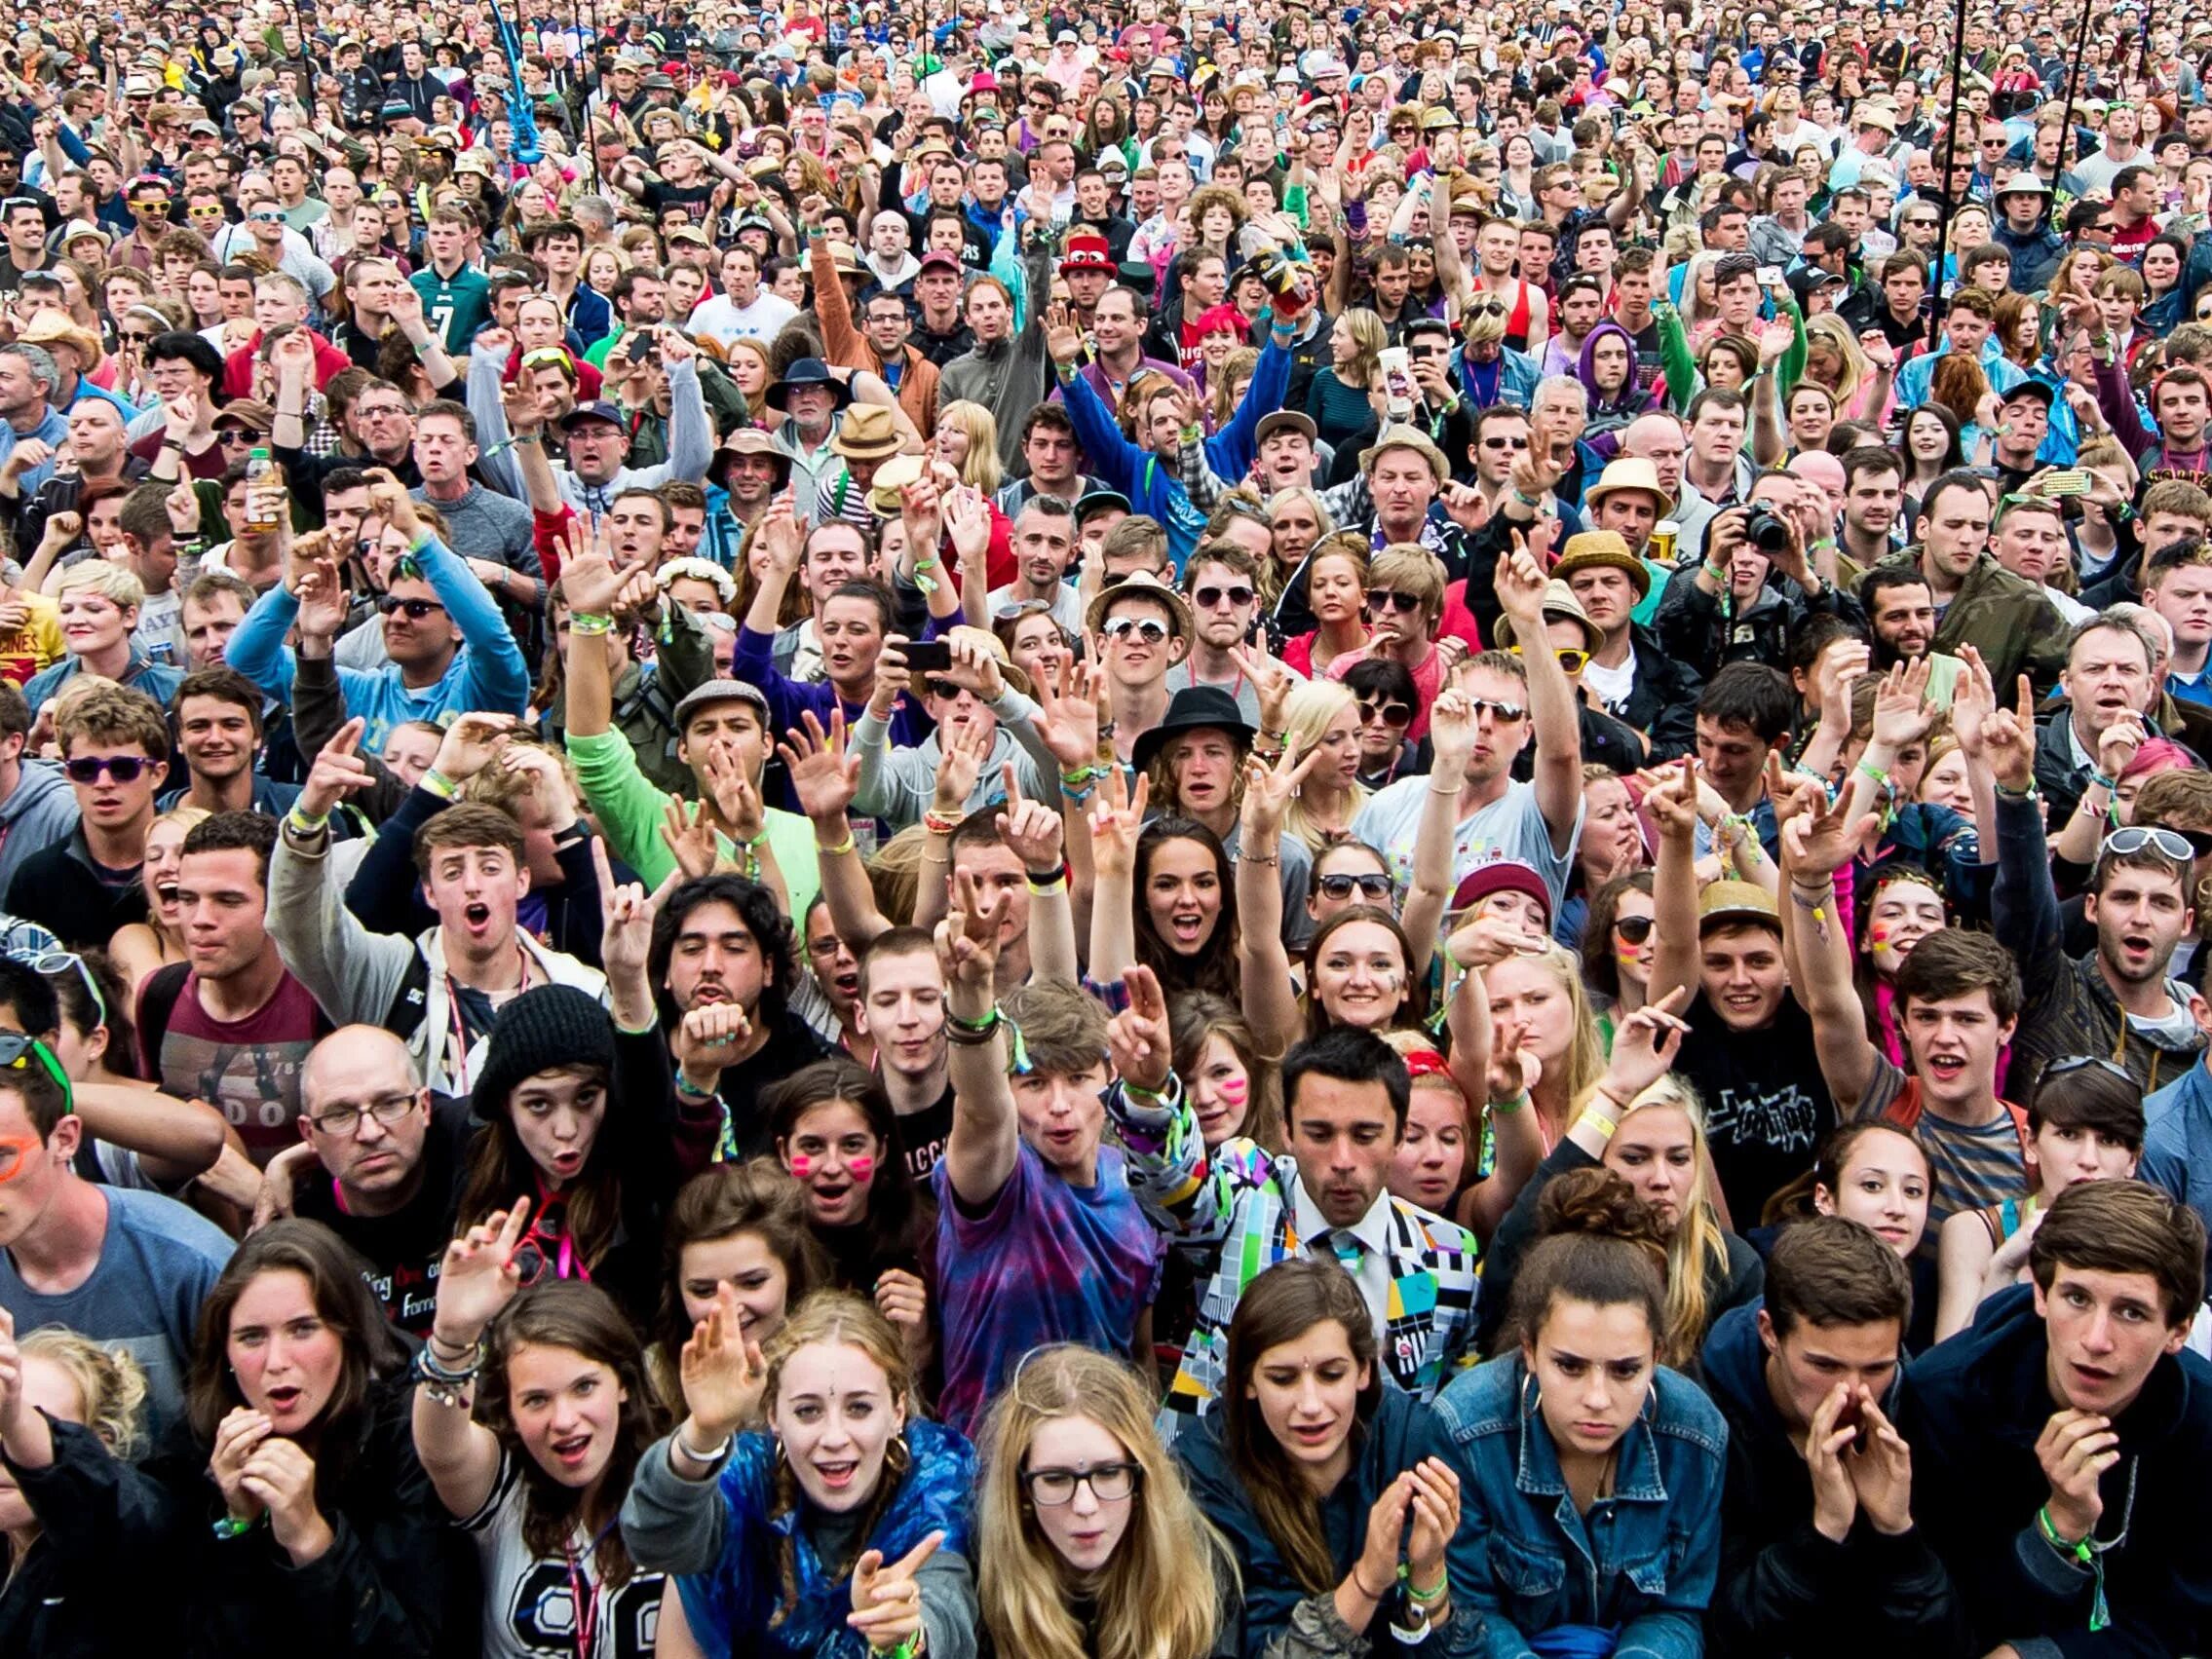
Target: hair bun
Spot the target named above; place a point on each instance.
(1599, 1202)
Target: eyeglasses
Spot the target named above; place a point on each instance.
(135, 337)
(1391, 713)
(392, 411)
(2126, 843)
(1507, 712)
(19, 1053)
(1635, 929)
(1016, 609)
(237, 436)
(1374, 887)
(1384, 599)
(1504, 443)
(1209, 597)
(1571, 657)
(1109, 1483)
(1146, 629)
(124, 769)
(415, 610)
(343, 1120)
(64, 961)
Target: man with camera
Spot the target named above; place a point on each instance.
(1767, 565)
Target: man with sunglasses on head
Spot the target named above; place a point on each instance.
(2119, 1000)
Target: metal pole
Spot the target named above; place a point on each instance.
(2073, 82)
(1949, 148)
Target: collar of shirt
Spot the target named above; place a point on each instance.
(1372, 1229)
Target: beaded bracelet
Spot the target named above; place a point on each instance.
(936, 823)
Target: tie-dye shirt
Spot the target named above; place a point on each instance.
(1046, 1263)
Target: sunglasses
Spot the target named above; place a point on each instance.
(124, 769)
(1571, 657)
(64, 961)
(237, 435)
(1504, 443)
(1384, 599)
(943, 690)
(1393, 713)
(1376, 887)
(1635, 929)
(1146, 629)
(2171, 843)
(19, 1053)
(2081, 1063)
(415, 610)
(1507, 712)
(1209, 597)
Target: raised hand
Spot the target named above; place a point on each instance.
(1645, 1047)
(2008, 741)
(968, 939)
(968, 520)
(1273, 682)
(1030, 829)
(722, 1373)
(886, 1600)
(1835, 1501)
(591, 582)
(1268, 793)
(1137, 1038)
(1067, 699)
(2118, 743)
(338, 771)
(322, 597)
(182, 505)
(1823, 839)
(735, 798)
(780, 536)
(470, 742)
(1520, 583)
(1062, 339)
(1901, 712)
(1973, 700)
(960, 766)
(625, 917)
(478, 1277)
(689, 837)
(1674, 804)
(1117, 820)
(1451, 734)
(823, 777)
(388, 498)
(892, 676)
(1514, 1070)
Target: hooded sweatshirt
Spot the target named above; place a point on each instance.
(41, 810)
(1786, 1588)
(1610, 414)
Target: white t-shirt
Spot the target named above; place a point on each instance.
(531, 1602)
(722, 319)
(1512, 826)
(1612, 686)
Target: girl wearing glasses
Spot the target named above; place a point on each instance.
(293, 1505)
(1323, 1480)
(739, 1226)
(1086, 1537)
(847, 1517)
(2086, 1125)
(536, 1470)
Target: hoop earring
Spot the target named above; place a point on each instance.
(899, 1456)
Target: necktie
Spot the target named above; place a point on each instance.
(1349, 1251)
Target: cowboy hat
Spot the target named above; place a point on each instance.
(54, 329)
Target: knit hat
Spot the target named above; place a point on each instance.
(543, 1029)
(1501, 875)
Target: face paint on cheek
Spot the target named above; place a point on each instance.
(860, 1168)
(1232, 1090)
(801, 1166)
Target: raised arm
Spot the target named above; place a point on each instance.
(1031, 831)
(1451, 736)
(495, 660)
(1815, 845)
(823, 777)
(1675, 884)
(1116, 820)
(691, 428)
(1520, 583)
(475, 1280)
(1270, 1003)
(986, 1131)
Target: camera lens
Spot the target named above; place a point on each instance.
(1766, 532)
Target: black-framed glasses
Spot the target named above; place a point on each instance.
(1384, 599)
(1109, 1483)
(1635, 929)
(415, 610)
(389, 1111)
(1504, 443)
(1210, 596)
(86, 769)
(2135, 838)
(1393, 712)
(1373, 887)
(237, 436)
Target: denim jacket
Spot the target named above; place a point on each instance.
(1643, 1561)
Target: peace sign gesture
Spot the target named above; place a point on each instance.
(723, 1377)
(1267, 794)
(1138, 1037)
(1116, 822)
(886, 1600)
(625, 917)
(1273, 682)
(968, 939)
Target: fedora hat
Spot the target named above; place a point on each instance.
(1194, 708)
(750, 440)
(865, 433)
(1558, 601)
(1593, 550)
(1629, 472)
(808, 372)
(1408, 437)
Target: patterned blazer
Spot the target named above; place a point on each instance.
(1244, 1200)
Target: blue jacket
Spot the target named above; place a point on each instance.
(1400, 1433)
(1152, 485)
(158, 680)
(1974, 1408)
(1786, 1587)
(1644, 1560)
(486, 674)
(2177, 1142)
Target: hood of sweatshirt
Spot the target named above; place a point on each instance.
(39, 785)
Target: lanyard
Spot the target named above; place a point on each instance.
(584, 1592)
(459, 1064)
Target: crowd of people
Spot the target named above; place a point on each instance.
(1117, 832)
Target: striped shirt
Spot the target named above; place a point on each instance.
(1971, 1167)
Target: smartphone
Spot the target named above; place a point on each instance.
(1769, 275)
(1396, 363)
(928, 656)
(2072, 481)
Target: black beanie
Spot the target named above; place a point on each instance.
(543, 1029)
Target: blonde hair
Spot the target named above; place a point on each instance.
(1586, 1051)
(895, 874)
(1312, 708)
(1161, 1594)
(1368, 338)
(981, 470)
(109, 1385)
(1699, 1244)
(1833, 332)
(110, 581)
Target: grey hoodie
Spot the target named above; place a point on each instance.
(40, 811)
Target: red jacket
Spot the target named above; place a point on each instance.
(237, 367)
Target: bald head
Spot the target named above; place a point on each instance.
(1818, 468)
(1659, 440)
(351, 1052)
(364, 1110)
